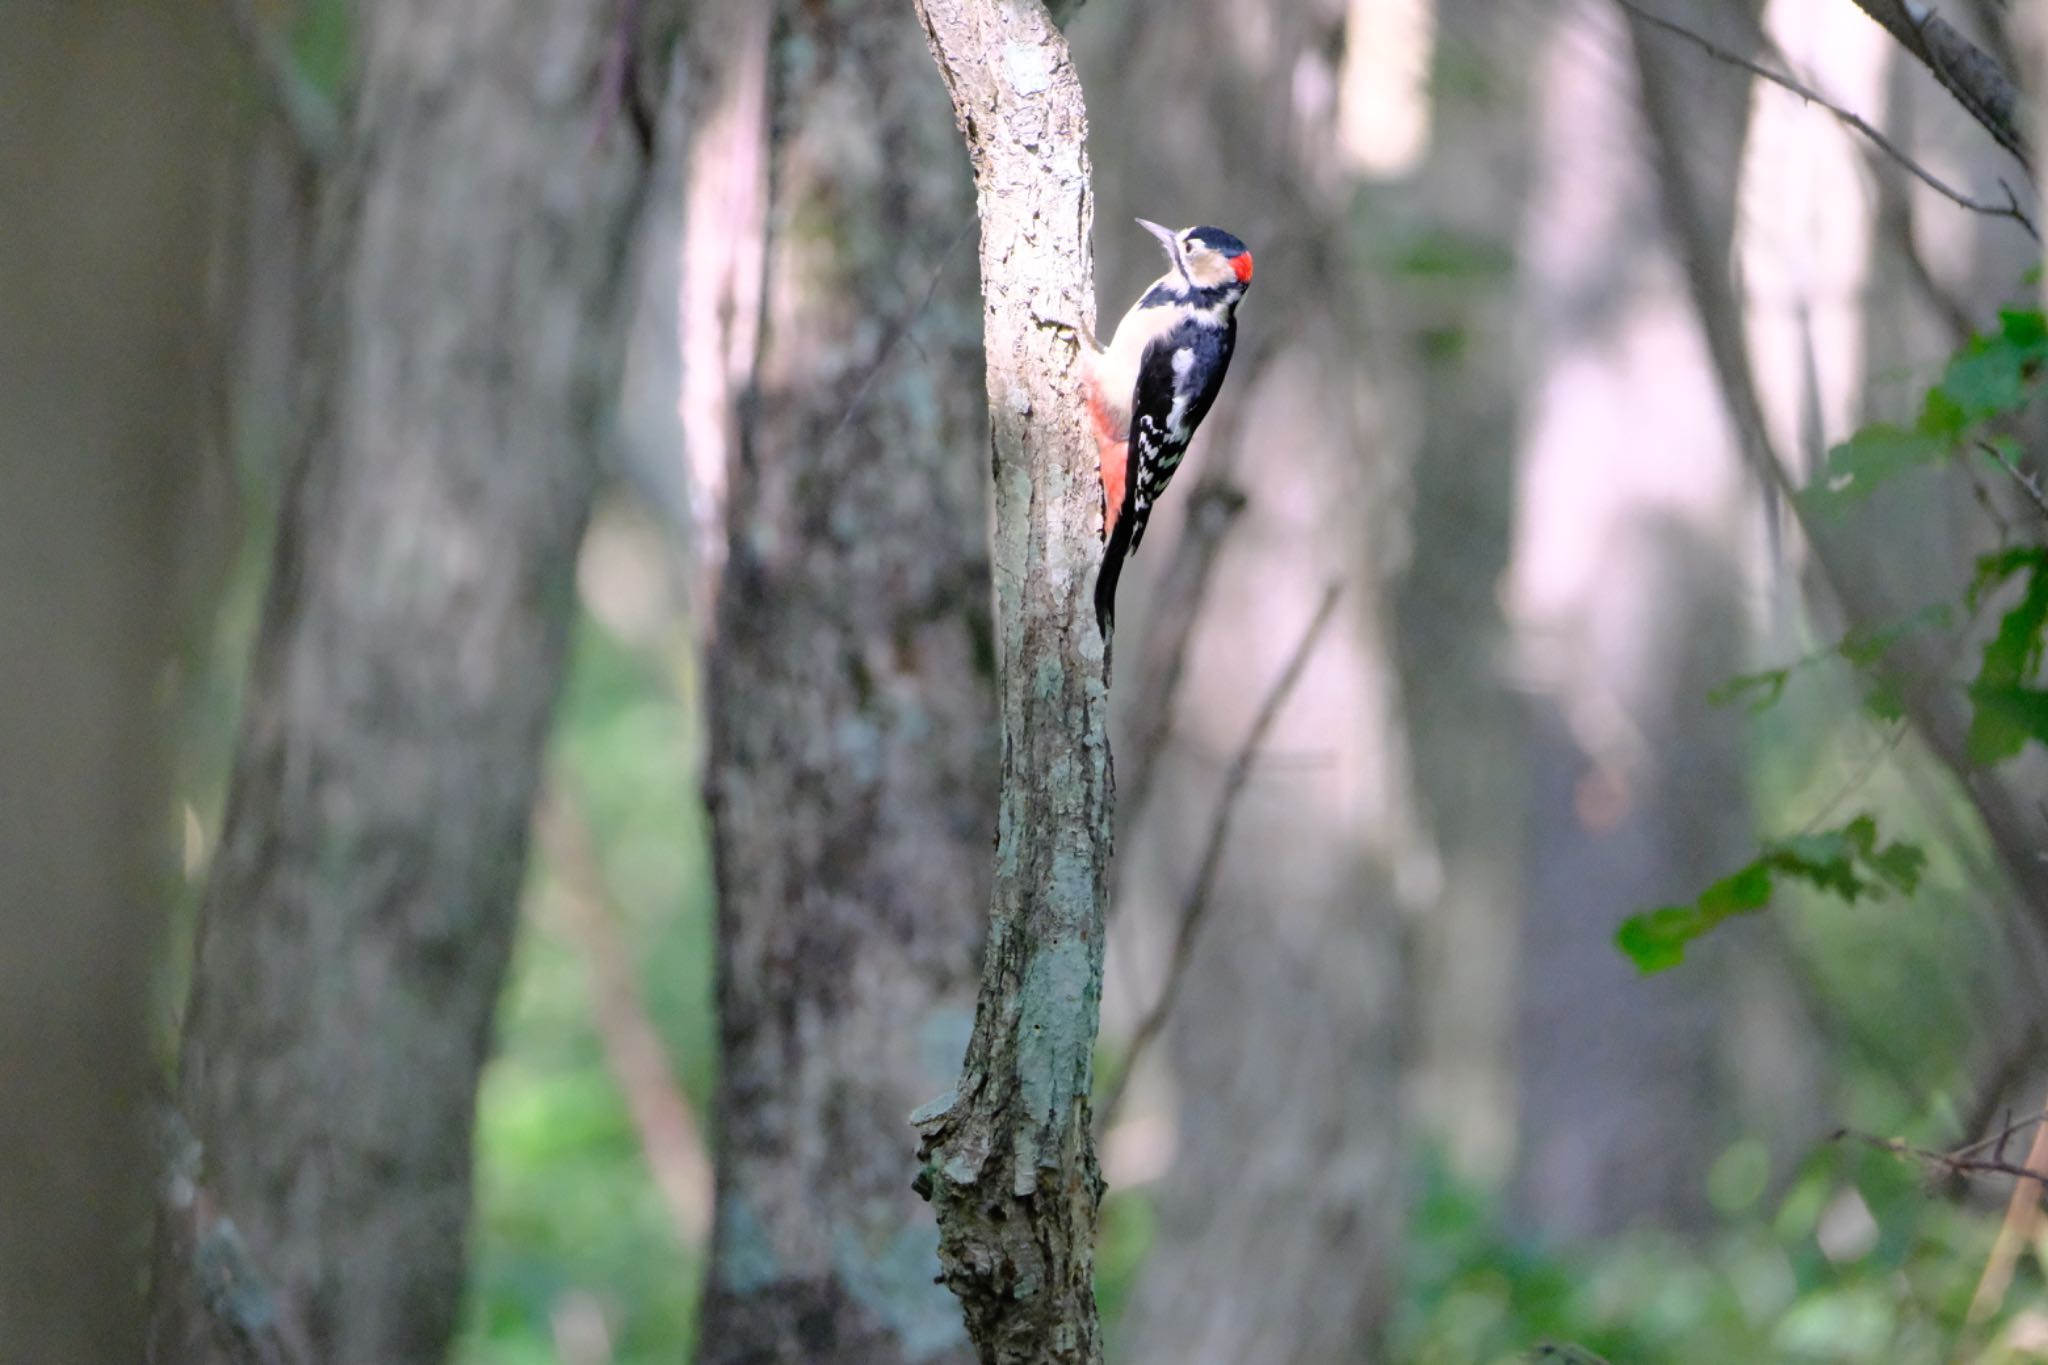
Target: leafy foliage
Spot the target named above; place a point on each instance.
(2008, 711)
(1770, 1284)
(1863, 649)
(1848, 862)
(1993, 377)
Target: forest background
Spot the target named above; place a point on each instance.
(1577, 728)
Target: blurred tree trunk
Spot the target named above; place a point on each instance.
(1465, 721)
(1826, 306)
(852, 766)
(102, 323)
(1628, 1087)
(462, 337)
(1636, 799)
(1280, 1128)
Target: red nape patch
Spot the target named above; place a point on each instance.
(1242, 264)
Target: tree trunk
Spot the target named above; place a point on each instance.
(852, 765)
(1009, 1155)
(462, 343)
(115, 127)
(1466, 722)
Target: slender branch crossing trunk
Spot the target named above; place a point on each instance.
(1009, 1161)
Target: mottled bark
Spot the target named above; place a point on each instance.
(1009, 1160)
(462, 342)
(852, 766)
(102, 321)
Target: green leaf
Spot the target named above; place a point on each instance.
(2006, 717)
(1763, 689)
(1994, 569)
(1899, 865)
(1848, 863)
(1942, 417)
(1743, 891)
(1656, 940)
(1861, 648)
(2025, 327)
(2008, 712)
(1878, 452)
(1993, 375)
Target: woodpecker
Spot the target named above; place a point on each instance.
(1152, 385)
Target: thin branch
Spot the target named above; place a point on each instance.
(2005, 1071)
(2011, 209)
(2026, 481)
(2017, 1229)
(1195, 909)
(670, 1137)
(1957, 1163)
(248, 1322)
(305, 109)
(1214, 508)
(1969, 73)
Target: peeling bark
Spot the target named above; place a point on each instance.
(1009, 1160)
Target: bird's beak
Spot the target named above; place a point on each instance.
(1166, 237)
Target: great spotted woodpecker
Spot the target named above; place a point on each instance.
(1151, 386)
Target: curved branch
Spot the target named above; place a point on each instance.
(1969, 73)
(1195, 909)
(1849, 118)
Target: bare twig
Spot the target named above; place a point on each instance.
(2011, 209)
(1213, 509)
(677, 1155)
(2005, 1071)
(1959, 1163)
(306, 110)
(249, 1323)
(2028, 484)
(2022, 1219)
(1195, 909)
(1966, 71)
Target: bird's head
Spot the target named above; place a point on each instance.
(1206, 258)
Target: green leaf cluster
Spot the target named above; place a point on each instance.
(1862, 649)
(2009, 711)
(1848, 862)
(1994, 376)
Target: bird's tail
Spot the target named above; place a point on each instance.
(1112, 566)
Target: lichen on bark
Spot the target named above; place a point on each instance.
(1009, 1161)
